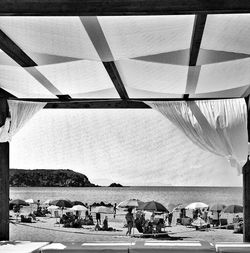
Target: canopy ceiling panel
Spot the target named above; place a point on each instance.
(136, 93)
(228, 32)
(6, 60)
(136, 36)
(78, 77)
(229, 93)
(20, 83)
(60, 36)
(153, 77)
(106, 93)
(224, 76)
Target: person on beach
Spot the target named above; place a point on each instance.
(170, 217)
(115, 207)
(215, 218)
(98, 218)
(105, 224)
(130, 221)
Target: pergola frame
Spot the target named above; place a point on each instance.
(200, 8)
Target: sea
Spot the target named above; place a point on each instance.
(163, 194)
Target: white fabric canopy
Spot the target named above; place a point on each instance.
(135, 36)
(218, 126)
(60, 36)
(20, 112)
(227, 32)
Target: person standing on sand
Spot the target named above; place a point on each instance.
(98, 218)
(130, 221)
(170, 217)
(115, 207)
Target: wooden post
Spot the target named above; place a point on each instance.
(246, 186)
(4, 177)
(246, 201)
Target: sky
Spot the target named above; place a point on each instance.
(133, 147)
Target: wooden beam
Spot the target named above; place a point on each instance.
(198, 29)
(6, 94)
(246, 186)
(96, 35)
(4, 177)
(101, 104)
(14, 51)
(194, 72)
(120, 7)
(246, 201)
(20, 57)
(107, 103)
(116, 79)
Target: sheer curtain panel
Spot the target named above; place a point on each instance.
(20, 113)
(217, 126)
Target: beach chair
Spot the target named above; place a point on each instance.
(57, 216)
(223, 223)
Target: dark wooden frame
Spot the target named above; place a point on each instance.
(104, 8)
(120, 7)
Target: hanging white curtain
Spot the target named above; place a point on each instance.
(218, 126)
(20, 113)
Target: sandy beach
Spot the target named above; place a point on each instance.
(46, 229)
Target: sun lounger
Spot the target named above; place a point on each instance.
(171, 246)
(22, 247)
(26, 219)
(93, 247)
(230, 247)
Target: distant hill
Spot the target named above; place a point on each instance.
(48, 178)
(115, 185)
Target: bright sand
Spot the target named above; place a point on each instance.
(45, 229)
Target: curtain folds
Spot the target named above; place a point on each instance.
(217, 126)
(20, 113)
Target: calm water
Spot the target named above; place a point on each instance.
(164, 195)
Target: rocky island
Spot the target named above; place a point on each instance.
(115, 185)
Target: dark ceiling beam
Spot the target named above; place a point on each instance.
(20, 57)
(97, 37)
(107, 103)
(120, 7)
(14, 51)
(6, 94)
(194, 72)
(116, 79)
(198, 29)
(102, 104)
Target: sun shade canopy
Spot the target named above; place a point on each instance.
(124, 59)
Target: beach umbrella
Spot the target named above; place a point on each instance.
(76, 202)
(154, 206)
(216, 207)
(47, 202)
(62, 203)
(196, 205)
(131, 203)
(172, 207)
(199, 222)
(102, 209)
(233, 209)
(51, 208)
(140, 204)
(30, 201)
(78, 208)
(18, 202)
